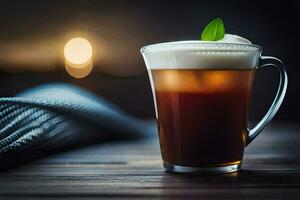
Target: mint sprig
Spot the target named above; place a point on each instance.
(215, 30)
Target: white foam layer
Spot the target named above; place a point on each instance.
(229, 38)
(230, 52)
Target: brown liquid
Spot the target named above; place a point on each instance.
(202, 115)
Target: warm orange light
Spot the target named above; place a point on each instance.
(78, 50)
(78, 54)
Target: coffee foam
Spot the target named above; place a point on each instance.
(230, 52)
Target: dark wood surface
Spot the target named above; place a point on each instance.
(132, 169)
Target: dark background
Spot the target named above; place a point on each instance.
(33, 33)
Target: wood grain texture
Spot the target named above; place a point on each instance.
(133, 170)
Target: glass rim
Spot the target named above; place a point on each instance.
(197, 45)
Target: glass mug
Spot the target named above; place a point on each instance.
(202, 94)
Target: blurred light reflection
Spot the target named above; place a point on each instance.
(78, 54)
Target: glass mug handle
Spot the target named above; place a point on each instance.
(266, 61)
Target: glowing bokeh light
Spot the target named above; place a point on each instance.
(78, 50)
(78, 54)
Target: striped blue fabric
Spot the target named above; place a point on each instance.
(55, 115)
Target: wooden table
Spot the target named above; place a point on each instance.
(132, 169)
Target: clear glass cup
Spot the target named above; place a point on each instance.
(202, 92)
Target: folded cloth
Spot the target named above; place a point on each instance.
(57, 115)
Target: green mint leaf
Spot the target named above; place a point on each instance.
(215, 30)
